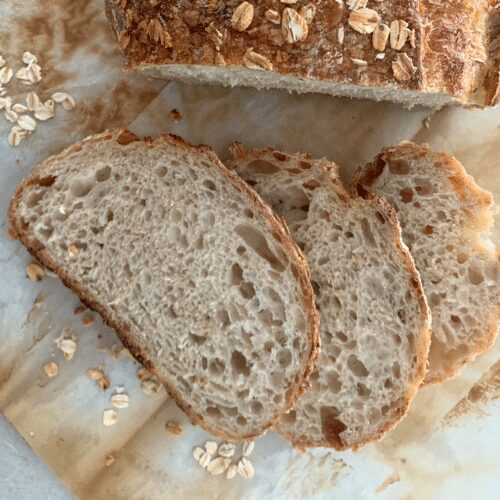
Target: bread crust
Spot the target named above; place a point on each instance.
(450, 52)
(280, 231)
(466, 189)
(424, 335)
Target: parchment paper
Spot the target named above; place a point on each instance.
(447, 447)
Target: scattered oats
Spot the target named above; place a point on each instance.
(73, 250)
(197, 453)
(363, 20)
(120, 400)
(242, 16)
(78, 309)
(45, 111)
(248, 447)
(403, 67)
(19, 108)
(399, 34)
(340, 34)
(254, 60)
(380, 36)
(3, 62)
(308, 12)
(32, 101)
(150, 386)
(27, 123)
(204, 459)
(218, 465)
(412, 39)
(231, 471)
(143, 374)
(219, 59)
(109, 459)
(50, 369)
(109, 417)
(211, 447)
(6, 74)
(29, 58)
(87, 320)
(35, 272)
(123, 39)
(174, 428)
(357, 4)
(293, 26)
(11, 116)
(103, 383)
(273, 16)
(227, 450)
(245, 468)
(95, 373)
(359, 62)
(380, 56)
(16, 135)
(66, 100)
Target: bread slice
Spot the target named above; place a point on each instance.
(444, 216)
(201, 281)
(374, 320)
(435, 55)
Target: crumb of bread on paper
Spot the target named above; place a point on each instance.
(50, 369)
(175, 115)
(35, 272)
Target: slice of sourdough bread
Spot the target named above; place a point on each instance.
(444, 217)
(374, 320)
(201, 281)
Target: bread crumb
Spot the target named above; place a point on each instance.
(95, 373)
(109, 417)
(175, 115)
(50, 369)
(87, 320)
(174, 428)
(110, 458)
(103, 383)
(79, 310)
(35, 272)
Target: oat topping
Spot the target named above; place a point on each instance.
(242, 16)
(174, 428)
(109, 417)
(50, 369)
(217, 35)
(35, 272)
(359, 62)
(357, 4)
(289, 2)
(380, 36)
(308, 12)
(403, 67)
(364, 20)
(340, 34)
(399, 34)
(253, 60)
(293, 26)
(273, 16)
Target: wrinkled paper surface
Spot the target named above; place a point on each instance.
(447, 447)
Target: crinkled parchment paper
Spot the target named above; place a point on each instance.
(447, 447)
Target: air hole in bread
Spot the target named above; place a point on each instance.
(248, 213)
(257, 242)
(406, 195)
(311, 185)
(305, 165)
(324, 215)
(213, 411)
(341, 336)
(284, 357)
(396, 369)
(440, 215)
(363, 391)
(428, 230)
(277, 380)
(236, 274)
(47, 232)
(352, 344)
(380, 217)
(402, 315)
(399, 167)
(243, 394)
(210, 185)
(103, 174)
(241, 250)
(397, 339)
(161, 171)
(35, 198)
(455, 321)
(81, 187)
(217, 367)
(388, 383)
(204, 363)
(367, 233)
(425, 189)
(356, 366)
(331, 426)
(239, 364)
(263, 167)
(475, 275)
(280, 156)
(197, 339)
(334, 383)
(241, 420)
(385, 410)
(290, 417)
(257, 407)
(223, 318)
(348, 234)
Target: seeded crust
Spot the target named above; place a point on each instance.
(470, 194)
(455, 53)
(280, 231)
(241, 162)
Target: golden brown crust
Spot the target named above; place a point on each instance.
(449, 52)
(279, 231)
(466, 189)
(424, 335)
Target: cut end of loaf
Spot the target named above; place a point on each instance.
(193, 271)
(374, 320)
(445, 217)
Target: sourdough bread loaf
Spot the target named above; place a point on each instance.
(374, 320)
(445, 217)
(200, 280)
(412, 51)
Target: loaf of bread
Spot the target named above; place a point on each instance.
(413, 51)
(195, 273)
(374, 320)
(445, 217)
